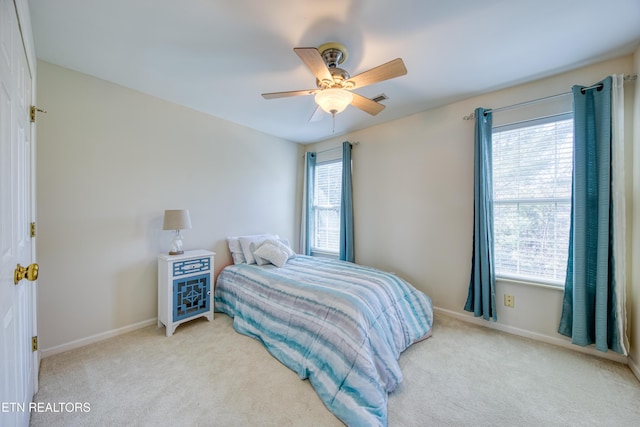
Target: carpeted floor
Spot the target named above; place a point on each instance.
(206, 374)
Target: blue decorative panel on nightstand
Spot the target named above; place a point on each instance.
(190, 296)
(190, 266)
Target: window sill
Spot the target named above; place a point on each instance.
(530, 283)
(324, 254)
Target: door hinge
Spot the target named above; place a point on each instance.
(34, 343)
(32, 112)
(32, 230)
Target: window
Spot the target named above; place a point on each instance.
(532, 168)
(325, 237)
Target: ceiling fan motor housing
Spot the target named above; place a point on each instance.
(340, 80)
(332, 57)
(334, 54)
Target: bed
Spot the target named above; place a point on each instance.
(338, 324)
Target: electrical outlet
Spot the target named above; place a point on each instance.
(509, 301)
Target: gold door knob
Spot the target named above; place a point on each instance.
(30, 273)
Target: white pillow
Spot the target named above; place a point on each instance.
(236, 250)
(282, 244)
(288, 246)
(245, 243)
(254, 247)
(274, 252)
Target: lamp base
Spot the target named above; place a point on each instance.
(175, 248)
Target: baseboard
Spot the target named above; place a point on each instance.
(535, 336)
(95, 338)
(633, 365)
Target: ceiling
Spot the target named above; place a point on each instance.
(219, 56)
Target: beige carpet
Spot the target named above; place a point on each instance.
(206, 374)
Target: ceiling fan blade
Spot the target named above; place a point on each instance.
(318, 114)
(274, 95)
(367, 105)
(313, 60)
(382, 72)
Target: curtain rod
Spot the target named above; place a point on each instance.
(628, 77)
(336, 148)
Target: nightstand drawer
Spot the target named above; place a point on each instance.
(190, 266)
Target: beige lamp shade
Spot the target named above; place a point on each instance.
(178, 219)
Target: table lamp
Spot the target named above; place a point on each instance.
(176, 220)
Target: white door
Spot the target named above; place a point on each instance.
(18, 364)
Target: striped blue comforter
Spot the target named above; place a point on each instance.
(341, 325)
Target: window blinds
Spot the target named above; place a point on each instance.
(328, 191)
(532, 167)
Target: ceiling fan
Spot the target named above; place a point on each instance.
(335, 86)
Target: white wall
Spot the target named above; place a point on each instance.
(413, 200)
(109, 161)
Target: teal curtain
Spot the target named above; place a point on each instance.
(346, 207)
(310, 169)
(588, 309)
(481, 299)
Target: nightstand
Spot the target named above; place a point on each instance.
(184, 288)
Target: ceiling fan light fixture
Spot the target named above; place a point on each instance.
(333, 100)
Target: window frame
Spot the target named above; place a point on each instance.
(523, 278)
